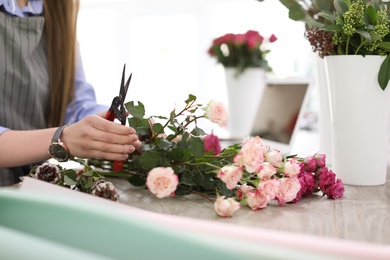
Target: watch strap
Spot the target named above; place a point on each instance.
(58, 133)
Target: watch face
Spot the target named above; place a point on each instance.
(58, 152)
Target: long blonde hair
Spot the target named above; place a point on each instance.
(60, 29)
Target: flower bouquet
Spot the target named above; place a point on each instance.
(356, 28)
(241, 51)
(178, 158)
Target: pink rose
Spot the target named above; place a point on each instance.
(336, 190)
(272, 38)
(310, 164)
(251, 155)
(230, 175)
(223, 39)
(211, 143)
(217, 113)
(289, 187)
(162, 181)
(266, 170)
(275, 158)
(269, 188)
(308, 186)
(254, 39)
(225, 207)
(239, 38)
(292, 167)
(320, 160)
(257, 199)
(243, 190)
(326, 178)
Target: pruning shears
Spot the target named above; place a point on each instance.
(117, 110)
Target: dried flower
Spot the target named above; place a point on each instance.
(105, 189)
(48, 172)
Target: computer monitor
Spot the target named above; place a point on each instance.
(280, 112)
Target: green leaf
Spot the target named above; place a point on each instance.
(223, 189)
(175, 155)
(328, 16)
(375, 36)
(158, 128)
(196, 146)
(371, 13)
(204, 180)
(190, 99)
(384, 46)
(69, 181)
(164, 144)
(341, 6)
(89, 183)
(137, 180)
(149, 160)
(384, 73)
(187, 180)
(364, 33)
(295, 10)
(331, 28)
(137, 111)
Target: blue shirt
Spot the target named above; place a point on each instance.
(84, 97)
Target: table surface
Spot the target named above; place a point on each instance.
(363, 214)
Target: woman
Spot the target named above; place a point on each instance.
(42, 87)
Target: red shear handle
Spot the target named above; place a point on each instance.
(110, 116)
(118, 166)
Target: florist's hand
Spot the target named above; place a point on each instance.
(96, 137)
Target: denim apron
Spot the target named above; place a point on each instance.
(24, 92)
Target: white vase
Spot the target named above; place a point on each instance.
(244, 96)
(360, 119)
(325, 130)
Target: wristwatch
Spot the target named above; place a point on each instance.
(58, 149)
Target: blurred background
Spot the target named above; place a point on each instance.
(164, 44)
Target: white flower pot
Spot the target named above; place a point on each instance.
(360, 119)
(325, 130)
(244, 96)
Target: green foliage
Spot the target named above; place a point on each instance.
(175, 142)
(346, 27)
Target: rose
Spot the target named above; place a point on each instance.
(162, 181)
(230, 175)
(269, 188)
(275, 158)
(225, 207)
(217, 113)
(326, 179)
(243, 190)
(266, 170)
(292, 168)
(336, 190)
(251, 155)
(310, 164)
(289, 187)
(257, 199)
(308, 185)
(320, 160)
(273, 38)
(211, 143)
(254, 39)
